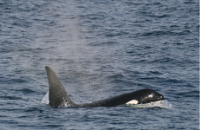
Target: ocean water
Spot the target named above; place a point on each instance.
(99, 49)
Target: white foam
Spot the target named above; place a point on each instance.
(160, 104)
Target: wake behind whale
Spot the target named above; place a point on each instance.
(58, 96)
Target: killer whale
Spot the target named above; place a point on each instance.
(58, 96)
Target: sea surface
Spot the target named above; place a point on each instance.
(99, 49)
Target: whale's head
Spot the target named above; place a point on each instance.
(145, 96)
(149, 95)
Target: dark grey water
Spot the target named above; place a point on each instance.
(99, 49)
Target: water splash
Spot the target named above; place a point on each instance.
(45, 100)
(158, 104)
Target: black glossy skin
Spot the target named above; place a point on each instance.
(142, 96)
(59, 98)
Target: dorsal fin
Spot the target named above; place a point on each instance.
(57, 95)
(59, 98)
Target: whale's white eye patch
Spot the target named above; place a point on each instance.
(150, 95)
(132, 102)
